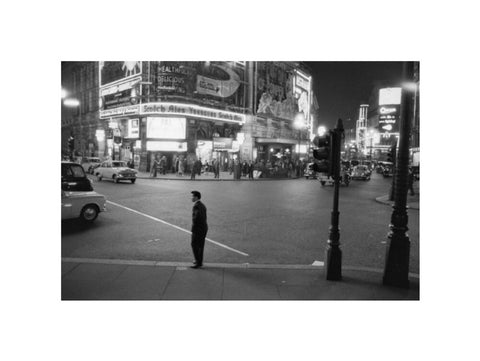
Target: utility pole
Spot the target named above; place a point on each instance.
(398, 244)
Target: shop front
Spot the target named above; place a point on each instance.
(169, 131)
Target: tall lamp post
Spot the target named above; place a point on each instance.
(398, 244)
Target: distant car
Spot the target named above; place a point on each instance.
(88, 163)
(78, 198)
(116, 171)
(361, 172)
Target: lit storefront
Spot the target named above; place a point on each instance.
(173, 109)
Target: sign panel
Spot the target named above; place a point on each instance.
(222, 143)
(388, 96)
(133, 128)
(120, 111)
(166, 127)
(388, 116)
(159, 145)
(191, 111)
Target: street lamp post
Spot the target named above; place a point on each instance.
(333, 253)
(398, 245)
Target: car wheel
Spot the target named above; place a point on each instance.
(99, 177)
(322, 183)
(89, 213)
(306, 177)
(115, 179)
(132, 180)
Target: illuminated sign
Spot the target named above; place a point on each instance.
(387, 110)
(388, 118)
(303, 92)
(222, 143)
(158, 145)
(193, 111)
(166, 128)
(120, 111)
(133, 128)
(389, 96)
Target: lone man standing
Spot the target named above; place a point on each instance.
(199, 228)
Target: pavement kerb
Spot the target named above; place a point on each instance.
(292, 267)
(214, 179)
(385, 200)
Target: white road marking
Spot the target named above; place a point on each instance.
(177, 227)
(318, 263)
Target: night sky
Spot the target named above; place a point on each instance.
(340, 87)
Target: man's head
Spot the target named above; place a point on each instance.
(196, 196)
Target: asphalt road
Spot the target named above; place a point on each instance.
(267, 222)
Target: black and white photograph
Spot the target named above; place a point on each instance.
(309, 171)
(252, 180)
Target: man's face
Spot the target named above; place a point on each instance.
(194, 198)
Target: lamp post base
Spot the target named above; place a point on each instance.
(397, 261)
(333, 264)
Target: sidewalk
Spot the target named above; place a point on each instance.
(413, 202)
(224, 176)
(91, 279)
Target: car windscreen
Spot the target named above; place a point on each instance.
(73, 171)
(118, 164)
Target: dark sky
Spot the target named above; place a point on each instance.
(340, 87)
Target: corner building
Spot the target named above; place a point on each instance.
(209, 110)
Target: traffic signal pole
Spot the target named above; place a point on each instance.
(333, 254)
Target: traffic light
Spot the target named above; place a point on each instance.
(322, 152)
(71, 143)
(391, 154)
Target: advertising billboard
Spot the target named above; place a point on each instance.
(114, 71)
(166, 127)
(275, 90)
(388, 116)
(215, 82)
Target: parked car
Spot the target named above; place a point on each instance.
(361, 172)
(74, 178)
(78, 198)
(344, 177)
(89, 162)
(115, 170)
(83, 205)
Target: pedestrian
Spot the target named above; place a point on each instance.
(199, 229)
(193, 170)
(154, 168)
(216, 168)
(411, 179)
(163, 165)
(180, 167)
(250, 170)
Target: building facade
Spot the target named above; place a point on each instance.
(188, 110)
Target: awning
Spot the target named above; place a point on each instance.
(276, 140)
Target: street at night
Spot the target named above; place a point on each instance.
(273, 222)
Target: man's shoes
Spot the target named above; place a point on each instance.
(196, 265)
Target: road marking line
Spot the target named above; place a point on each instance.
(177, 227)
